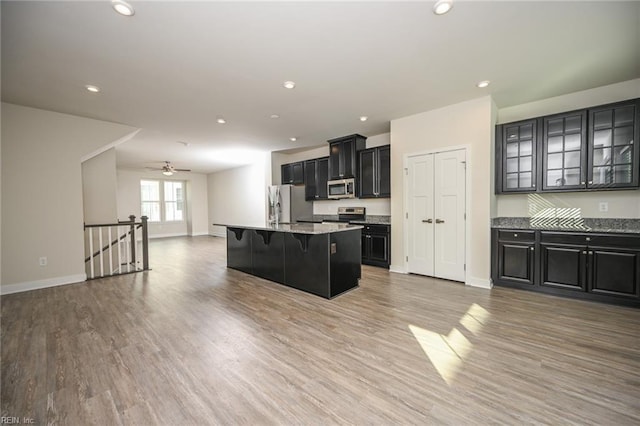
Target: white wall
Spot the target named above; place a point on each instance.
(469, 124)
(239, 196)
(42, 208)
(621, 204)
(197, 217)
(99, 188)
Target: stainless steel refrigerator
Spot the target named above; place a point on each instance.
(287, 204)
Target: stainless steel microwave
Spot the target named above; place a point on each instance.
(342, 188)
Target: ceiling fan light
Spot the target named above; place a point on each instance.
(167, 173)
(442, 6)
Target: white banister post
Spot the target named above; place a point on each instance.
(101, 252)
(110, 253)
(91, 252)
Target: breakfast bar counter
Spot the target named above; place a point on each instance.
(320, 258)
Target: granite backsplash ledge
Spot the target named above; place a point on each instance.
(568, 224)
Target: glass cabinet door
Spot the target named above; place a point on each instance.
(612, 152)
(564, 149)
(519, 156)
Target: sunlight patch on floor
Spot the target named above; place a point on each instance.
(448, 352)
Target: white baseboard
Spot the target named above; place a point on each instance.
(397, 269)
(479, 282)
(219, 234)
(35, 285)
(179, 234)
(198, 234)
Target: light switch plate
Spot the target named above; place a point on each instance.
(604, 206)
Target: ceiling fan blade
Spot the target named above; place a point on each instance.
(182, 170)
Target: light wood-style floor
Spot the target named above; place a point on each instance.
(192, 342)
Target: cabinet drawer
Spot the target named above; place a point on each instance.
(565, 238)
(617, 241)
(516, 235)
(592, 240)
(376, 229)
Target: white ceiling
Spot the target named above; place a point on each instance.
(174, 67)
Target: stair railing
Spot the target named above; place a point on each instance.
(125, 240)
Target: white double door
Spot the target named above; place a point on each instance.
(436, 214)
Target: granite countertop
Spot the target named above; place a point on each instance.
(298, 228)
(623, 226)
(368, 220)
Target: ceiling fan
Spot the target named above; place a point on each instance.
(169, 169)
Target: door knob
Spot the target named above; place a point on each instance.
(427, 221)
(439, 221)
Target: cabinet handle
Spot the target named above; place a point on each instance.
(515, 235)
(532, 249)
(427, 221)
(533, 186)
(590, 182)
(581, 183)
(588, 239)
(584, 252)
(439, 221)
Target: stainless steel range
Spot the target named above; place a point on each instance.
(347, 214)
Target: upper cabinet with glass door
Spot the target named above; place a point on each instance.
(563, 151)
(516, 151)
(585, 150)
(613, 160)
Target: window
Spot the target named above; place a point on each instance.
(166, 205)
(173, 201)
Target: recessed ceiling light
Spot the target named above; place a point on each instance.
(123, 8)
(221, 120)
(483, 83)
(364, 118)
(274, 116)
(92, 88)
(293, 139)
(289, 84)
(442, 6)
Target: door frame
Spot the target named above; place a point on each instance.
(467, 201)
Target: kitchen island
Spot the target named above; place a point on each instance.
(320, 258)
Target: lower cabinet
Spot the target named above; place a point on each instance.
(563, 261)
(375, 245)
(601, 267)
(516, 257)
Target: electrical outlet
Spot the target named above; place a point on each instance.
(604, 206)
(43, 261)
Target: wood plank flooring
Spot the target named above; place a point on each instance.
(192, 342)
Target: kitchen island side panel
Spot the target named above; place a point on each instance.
(345, 261)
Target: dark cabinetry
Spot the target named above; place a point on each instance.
(603, 267)
(564, 151)
(613, 159)
(315, 178)
(515, 257)
(292, 173)
(375, 245)
(516, 148)
(589, 149)
(374, 177)
(343, 156)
